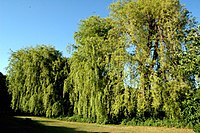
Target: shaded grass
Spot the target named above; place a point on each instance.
(27, 125)
(17, 125)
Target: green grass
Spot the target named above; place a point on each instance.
(29, 124)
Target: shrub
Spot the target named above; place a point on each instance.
(191, 111)
(197, 128)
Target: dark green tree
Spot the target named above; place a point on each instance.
(4, 96)
(190, 65)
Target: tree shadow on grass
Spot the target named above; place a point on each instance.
(25, 125)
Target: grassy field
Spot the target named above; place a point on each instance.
(27, 124)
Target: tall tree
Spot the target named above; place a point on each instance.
(154, 30)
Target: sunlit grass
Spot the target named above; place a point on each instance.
(60, 126)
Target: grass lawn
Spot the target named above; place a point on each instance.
(29, 124)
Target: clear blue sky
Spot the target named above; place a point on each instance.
(25, 23)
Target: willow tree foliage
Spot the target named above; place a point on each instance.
(96, 69)
(36, 79)
(155, 31)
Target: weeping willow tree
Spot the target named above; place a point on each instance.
(97, 69)
(36, 79)
(154, 31)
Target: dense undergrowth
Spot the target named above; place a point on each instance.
(140, 122)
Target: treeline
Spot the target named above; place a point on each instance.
(141, 62)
